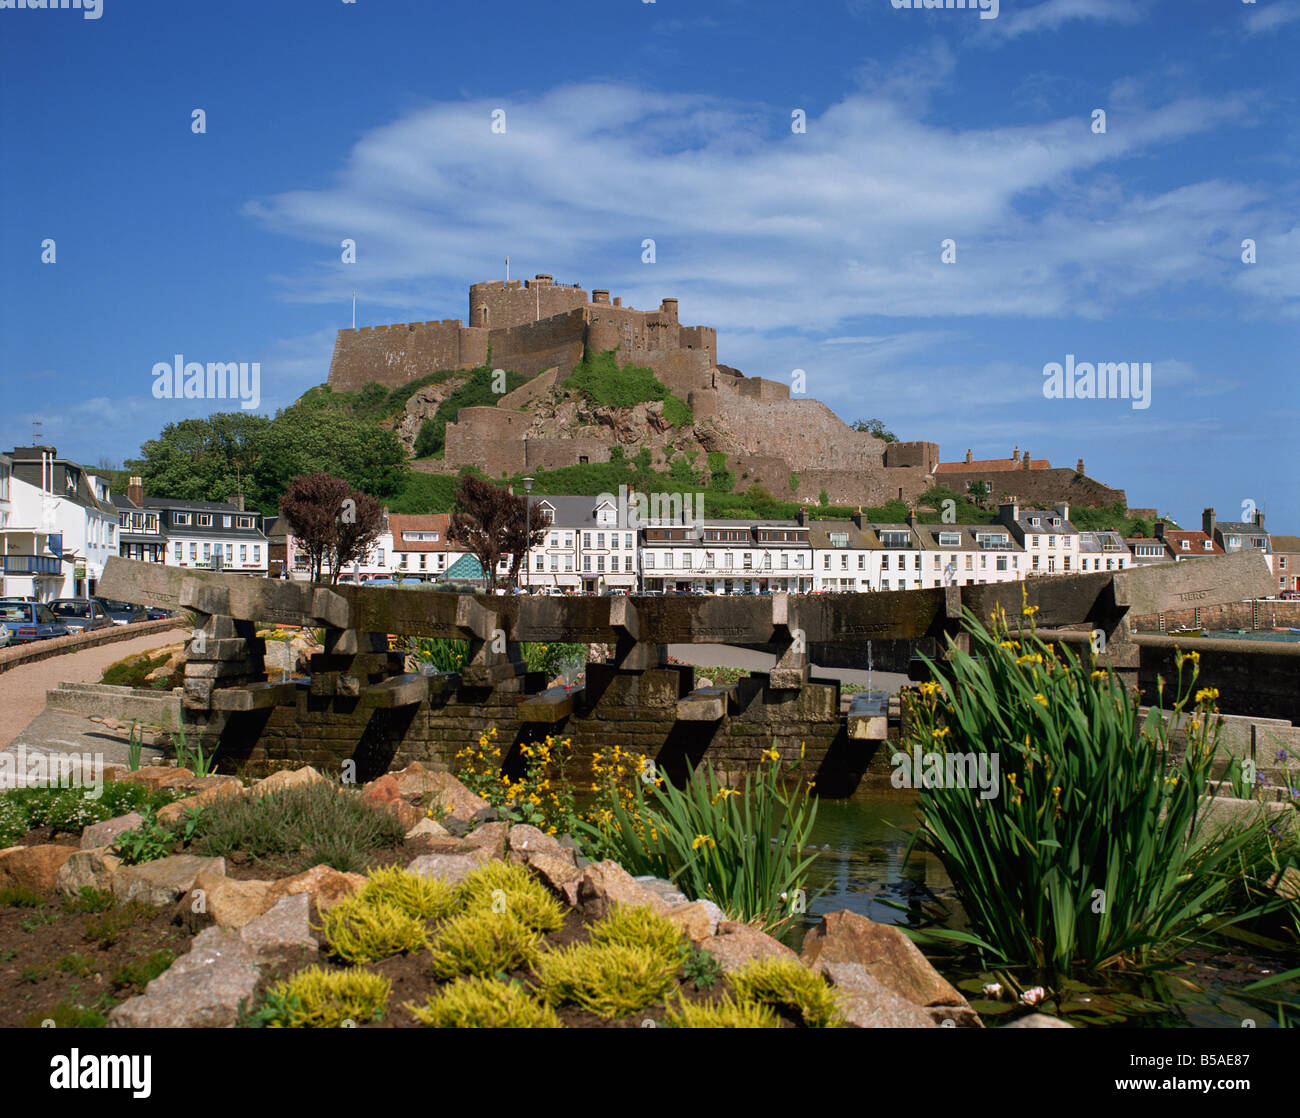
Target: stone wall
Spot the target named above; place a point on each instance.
(553, 454)
(1041, 488)
(483, 435)
(394, 355)
(1260, 614)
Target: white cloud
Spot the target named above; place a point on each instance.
(1265, 19)
(1051, 14)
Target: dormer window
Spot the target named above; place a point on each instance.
(949, 539)
(1035, 521)
(1056, 522)
(1187, 545)
(1208, 545)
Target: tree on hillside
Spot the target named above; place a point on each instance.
(979, 492)
(491, 522)
(874, 427)
(204, 459)
(333, 523)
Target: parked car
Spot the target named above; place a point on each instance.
(122, 613)
(6, 635)
(1290, 595)
(30, 621)
(156, 613)
(81, 614)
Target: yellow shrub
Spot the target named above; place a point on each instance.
(483, 943)
(788, 983)
(640, 926)
(722, 1014)
(607, 979)
(484, 1003)
(502, 887)
(358, 931)
(421, 898)
(321, 999)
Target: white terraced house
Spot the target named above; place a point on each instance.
(1050, 541)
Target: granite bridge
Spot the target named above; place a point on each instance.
(358, 703)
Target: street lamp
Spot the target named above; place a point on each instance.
(528, 523)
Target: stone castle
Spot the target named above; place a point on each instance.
(796, 447)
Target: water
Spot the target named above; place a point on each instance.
(861, 844)
(1256, 635)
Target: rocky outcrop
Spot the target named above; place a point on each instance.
(32, 867)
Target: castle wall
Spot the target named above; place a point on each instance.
(394, 355)
(487, 434)
(498, 306)
(1041, 488)
(806, 433)
(553, 454)
(922, 454)
(535, 346)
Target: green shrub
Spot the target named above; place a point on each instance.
(713, 841)
(360, 931)
(19, 896)
(788, 984)
(641, 927)
(90, 899)
(721, 1014)
(1089, 806)
(483, 943)
(484, 1003)
(503, 887)
(139, 973)
(608, 979)
(330, 824)
(76, 964)
(65, 1015)
(420, 898)
(319, 999)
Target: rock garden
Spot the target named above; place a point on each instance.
(297, 900)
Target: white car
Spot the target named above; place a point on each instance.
(5, 635)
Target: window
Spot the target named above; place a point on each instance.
(826, 562)
(205, 520)
(627, 562)
(600, 562)
(650, 560)
(1067, 562)
(1035, 565)
(539, 562)
(627, 540)
(1186, 545)
(884, 584)
(1281, 562)
(178, 552)
(1208, 545)
(586, 562)
(767, 560)
(862, 562)
(1034, 521)
(600, 540)
(1051, 541)
(884, 562)
(243, 553)
(949, 539)
(424, 561)
(225, 521)
(568, 563)
(555, 563)
(749, 561)
(1002, 562)
(798, 560)
(180, 518)
(379, 557)
(839, 539)
(785, 561)
(970, 562)
(230, 553)
(207, 552)
(844, 562)
(1051, 564)
(586, 539)
(194, 553)
(938, 561)
(918, 565)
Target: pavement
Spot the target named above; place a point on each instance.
(24, 719)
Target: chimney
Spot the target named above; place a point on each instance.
(1207, 522)
(1024, 461)
(857, 518)
(1078, 466)
(618, 300)
(1015, 455)
(969, 459)
(1160, 530)
(236, 499)
(802, 518)
(135, 492)
(1064, 511)
(911, 517)
(1009, 510)
(1259, 518)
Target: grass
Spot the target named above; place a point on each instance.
(315, 998)
(482, 944)
(328, 823)
(721, 1014)
(420, 898)
(742, 848)
(65, 1015)
(364, 931)
(1090, 852)
(484, 1003)
(610, 980)
(599, 378)
(788, 984)
(641, 926)
(499, 887)
(72, 809)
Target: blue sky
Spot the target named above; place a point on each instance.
(672, 120)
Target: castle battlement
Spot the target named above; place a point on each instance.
(528, 325)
